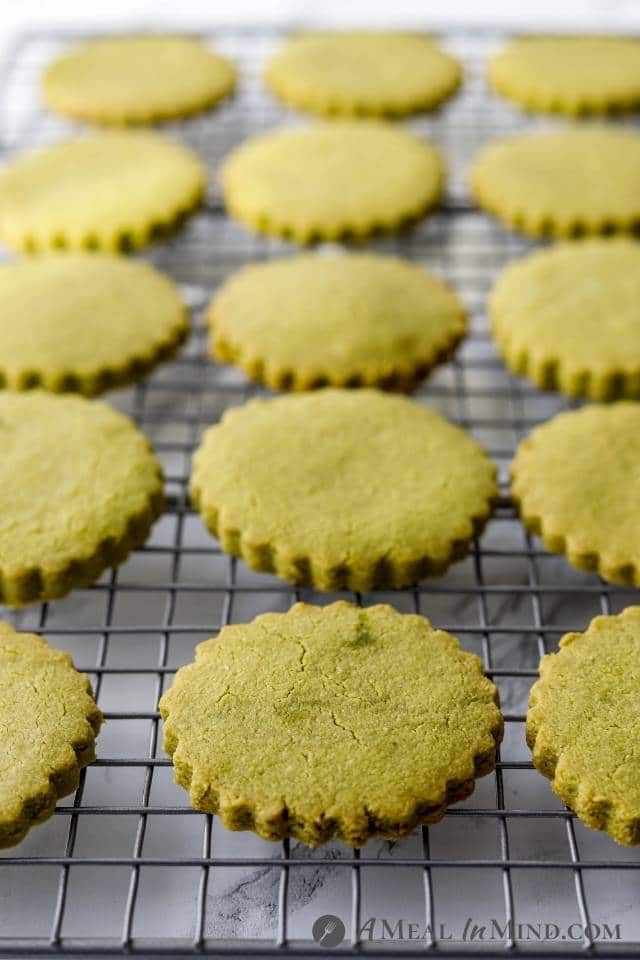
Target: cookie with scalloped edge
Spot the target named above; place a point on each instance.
(362, 73)
(568, 318)
(342, 489)
(79, 489)
(107, 191)
(85, 322)
(569, 74)
(48, 725)
(562, 183)
(347, 320)
(331, 721)
(574, 483)
(332, 181)
(583, 724)
(120, 80)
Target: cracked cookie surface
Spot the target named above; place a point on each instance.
(583, 724)
(85, 322)
(107, 191)
(362, 73)
(333, 180)
(575, 484)
(564, 183)
(48, 725)
(331, 721)
(568, 318)
(572, 75)
(349, 320)
(137, 79)
(342, 489)
(79, 489)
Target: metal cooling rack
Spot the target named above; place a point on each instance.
(125, 866)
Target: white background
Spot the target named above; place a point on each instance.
(611, 15)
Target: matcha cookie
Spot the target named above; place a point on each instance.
(108, 191)
(562, 183)
(569, 318)
(348, 320)
(79, 489)
(48, 725)
(583, 724)
(575, 484)
(342, 489)
(331, 181)
(331, 721)
(572, 75)
(85, 321)
(362, 74)
(137, 79)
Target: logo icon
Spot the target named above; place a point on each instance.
(328, 931)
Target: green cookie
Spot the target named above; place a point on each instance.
(109, 191)
(360, 73)
(331, 721)
(79, 489)
(349, 320)
(48, 725)
(584, 720)
(334, 180)
(138, 79)
(575, 483)
(85, 322)
(342, 489)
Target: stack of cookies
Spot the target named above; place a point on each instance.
(376, 721)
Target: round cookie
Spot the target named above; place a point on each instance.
(568, 318)
(108, 191)
(342, 489)
(85, 321)
(79, 489)
(581, 180)
(575, 484)
(572, 75)
(332, 180)
(347, 320)
(137, 79)
(362, 73)
(583, 724)
(48, 725)
(331, 721)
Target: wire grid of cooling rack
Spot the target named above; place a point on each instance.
(125, 865)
